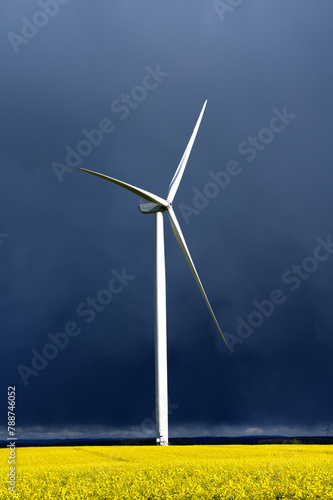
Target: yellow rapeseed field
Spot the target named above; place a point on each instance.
(263, 472)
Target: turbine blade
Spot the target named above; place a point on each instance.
(141, 192)
(181, 167)
(180, 238)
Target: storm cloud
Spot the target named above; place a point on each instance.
(117, 87)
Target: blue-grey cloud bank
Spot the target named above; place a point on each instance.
(117, 87)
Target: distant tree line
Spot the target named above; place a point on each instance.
(299, 440)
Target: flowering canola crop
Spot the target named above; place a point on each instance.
(263, 472)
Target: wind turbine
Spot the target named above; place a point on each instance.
(157, 206)
(327, 430)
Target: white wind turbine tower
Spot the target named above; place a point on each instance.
(157, 206)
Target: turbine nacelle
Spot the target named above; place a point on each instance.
(150, 208)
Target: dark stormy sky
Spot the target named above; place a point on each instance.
(117, 87)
